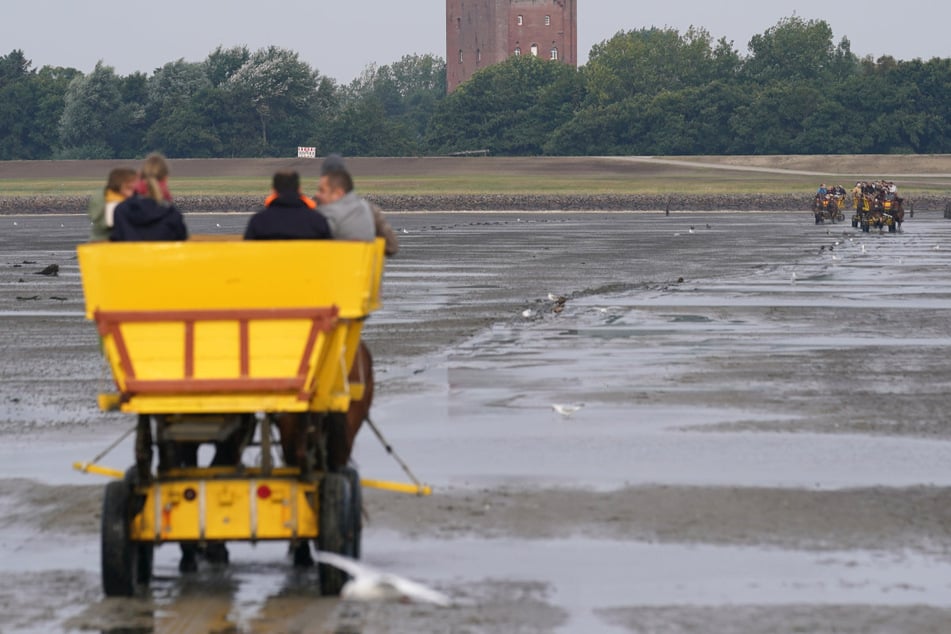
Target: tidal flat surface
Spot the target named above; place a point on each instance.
(760, 443)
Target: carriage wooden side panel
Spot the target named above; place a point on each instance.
(231, 326)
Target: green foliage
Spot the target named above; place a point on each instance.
(89, 118)
(647, 91)
(386, 110)
(510, 108)
(649, 61)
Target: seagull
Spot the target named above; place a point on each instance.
(863, 247)
(557, 298)
(218, 224)
(937, 247)
(835, 258)
(565, 409)
(528, 312)
(368, 584)
(404, 230)
(691, 230)
(793, 278)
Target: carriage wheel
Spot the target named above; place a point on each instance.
(892, 228)
(126, 565)
(356, 510)
(335, 530)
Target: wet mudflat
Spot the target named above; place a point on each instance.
(761, 442)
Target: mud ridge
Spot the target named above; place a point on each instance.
(47, 204)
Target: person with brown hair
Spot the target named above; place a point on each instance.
(119, 186)
(150, 214)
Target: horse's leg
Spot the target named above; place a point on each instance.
(361, 372)
(292, 432)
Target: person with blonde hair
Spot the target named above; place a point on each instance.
(150, 214)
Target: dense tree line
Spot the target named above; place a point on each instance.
(649, 91)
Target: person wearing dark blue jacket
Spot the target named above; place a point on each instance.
(287, 215)
(149, 215)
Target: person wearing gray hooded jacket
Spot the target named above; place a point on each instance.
(383, 229)
(349, 216)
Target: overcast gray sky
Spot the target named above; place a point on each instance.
(340, 39)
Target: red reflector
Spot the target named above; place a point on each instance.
(264, 491)
(190, 494)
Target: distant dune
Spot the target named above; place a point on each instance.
(869, 166)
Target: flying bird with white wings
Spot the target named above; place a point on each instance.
(367, 584)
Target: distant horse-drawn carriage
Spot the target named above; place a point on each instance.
(828, 205)
(877, 206)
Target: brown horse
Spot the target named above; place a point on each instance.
(340, 430)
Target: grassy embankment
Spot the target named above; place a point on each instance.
(559, 175)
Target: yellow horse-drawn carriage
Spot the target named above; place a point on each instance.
(207, 341)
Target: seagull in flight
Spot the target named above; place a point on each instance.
(367, 584)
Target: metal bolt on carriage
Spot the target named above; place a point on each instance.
(208, 341)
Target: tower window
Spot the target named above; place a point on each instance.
(554, 52)
(519, 20)
(460, 55)
(518, 51)
(478, 55)
(534, 50)
(547, 20)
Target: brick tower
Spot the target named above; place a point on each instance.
(480, 33)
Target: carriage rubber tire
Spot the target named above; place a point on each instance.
(892, 228)
(335, 517)
(124, 563)
(145, 551)
(356, 509)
